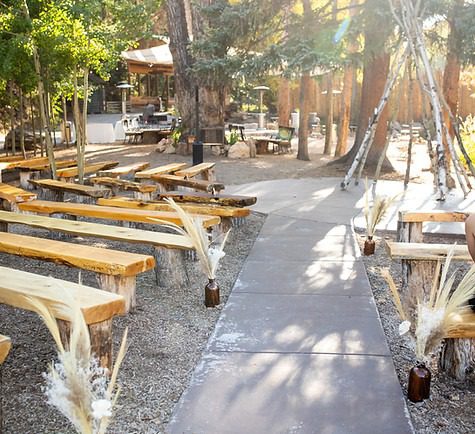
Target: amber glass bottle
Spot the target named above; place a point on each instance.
(418, 387)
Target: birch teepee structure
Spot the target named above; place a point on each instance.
(407, 16)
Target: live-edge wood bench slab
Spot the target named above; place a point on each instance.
(14, 194)
(426, 252)
(205, 170)
(116, 270)
(60, 188)
(201, 197)
(141, 191)
(5, 345)
(34, 169)
(70, 173)
(124, 170)
(112, 213)
(168, 182)
(98, 307)
(166, 246)
(167, 168)
(194, 208)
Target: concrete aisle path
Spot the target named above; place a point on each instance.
(299, 347)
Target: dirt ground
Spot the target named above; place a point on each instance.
(268, 166)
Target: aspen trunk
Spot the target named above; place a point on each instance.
(33, 126)
(43, 113)
(22, 124)
(12, 119)
(65, 121)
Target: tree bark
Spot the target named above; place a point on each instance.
(284, 102)
(182, 62)
(345, 114)
(22, 123)
(304, 98)
(451, 73)
(12, 119)
(375, 73)
(329, 122)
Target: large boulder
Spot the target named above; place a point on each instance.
(239, 150)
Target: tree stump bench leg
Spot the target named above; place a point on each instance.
(100, 336)
(101, 342)
(46, 194)
(143, 196)
(170, 269)
(25, 176)
(122, 285)
(457, 357)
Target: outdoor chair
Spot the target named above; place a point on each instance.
(237, 130)
(281, 141)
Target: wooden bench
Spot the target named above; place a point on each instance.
(229, 215)
(281, 142)
(419, 265)
(141, 191)
(116, 271)
(14, 163)
(5, 345)
(110, 213)
(118, 171)
(167, 247)
(98, 307)
(205, 170)
(169, 182)
(69, 174)
(11, 196)
(55, 190)
(34, 170)
(208, 198)
(160, 170)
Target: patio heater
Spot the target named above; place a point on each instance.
(123, 86)
(261, 117)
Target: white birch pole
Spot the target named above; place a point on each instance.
(362, 153)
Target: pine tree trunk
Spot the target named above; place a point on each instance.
(329, 122)
(182, 62)
(284, 102)
(451, 73)
(345, 114)
(302, 153)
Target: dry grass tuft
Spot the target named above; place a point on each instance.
(75, 384)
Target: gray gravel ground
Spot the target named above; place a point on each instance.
(167, 335)
(451, 403)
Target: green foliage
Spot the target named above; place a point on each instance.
(467, 131)
(254, 38)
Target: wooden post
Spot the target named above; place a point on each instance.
(122, 285)
(170, 269)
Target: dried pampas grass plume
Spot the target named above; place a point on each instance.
(209, 251)
(375, 213)
(76, 384)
